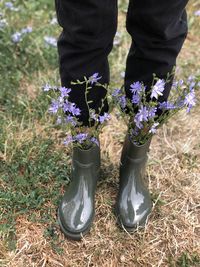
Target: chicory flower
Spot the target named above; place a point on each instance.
(94, 78)
(158, 89)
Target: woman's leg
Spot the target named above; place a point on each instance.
(88, 30)
(84, 44)
(158, 29)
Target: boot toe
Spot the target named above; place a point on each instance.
(131, 216)
(132, 221)
(74, 222)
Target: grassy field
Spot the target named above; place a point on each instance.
(34, 165)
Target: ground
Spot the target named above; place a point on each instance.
(34, 164)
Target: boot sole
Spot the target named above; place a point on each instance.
(70, 235)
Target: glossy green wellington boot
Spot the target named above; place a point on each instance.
(76, 210)
(133, 202)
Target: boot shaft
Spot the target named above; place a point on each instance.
(76, 210)
(86, 157)
(134, 151)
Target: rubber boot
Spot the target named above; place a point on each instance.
(133, 202)
(77, 208)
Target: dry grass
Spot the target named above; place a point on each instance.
(172, 230)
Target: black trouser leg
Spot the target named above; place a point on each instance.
(87, 38)
(158, 29)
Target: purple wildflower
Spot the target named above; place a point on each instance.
(47, 87)
(61, 101)
(197, 13)
(64, 91)
(135, 98)
(54, 106)
(59, 120)
(177, 84)
(171, 105)
(26, 30)
(121, 99)
(180, 82)
(10, 6)
(66, 106)
(94, 140)
(135, 131)
(74, 110)
(152, 112)
(104, 117)
(50, 41)
(180, 103)
(68, 140)
(80, 137)
(138, 122)
(174, 85)
(154, 128)
(166, 105)
(190, 100)
(163, 105)
(93, 115)
(141, 116)
(94, 78)
(157, 89)
(190, 79)
(136, 87)
(71, 120)
(143, 113)
(117, 92)
(191, 86)
(71, 107)
(16, 37)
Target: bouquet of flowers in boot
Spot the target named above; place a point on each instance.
(66, 113)
(143, 113)
(146, 113)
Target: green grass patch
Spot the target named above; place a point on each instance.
(30, 180)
